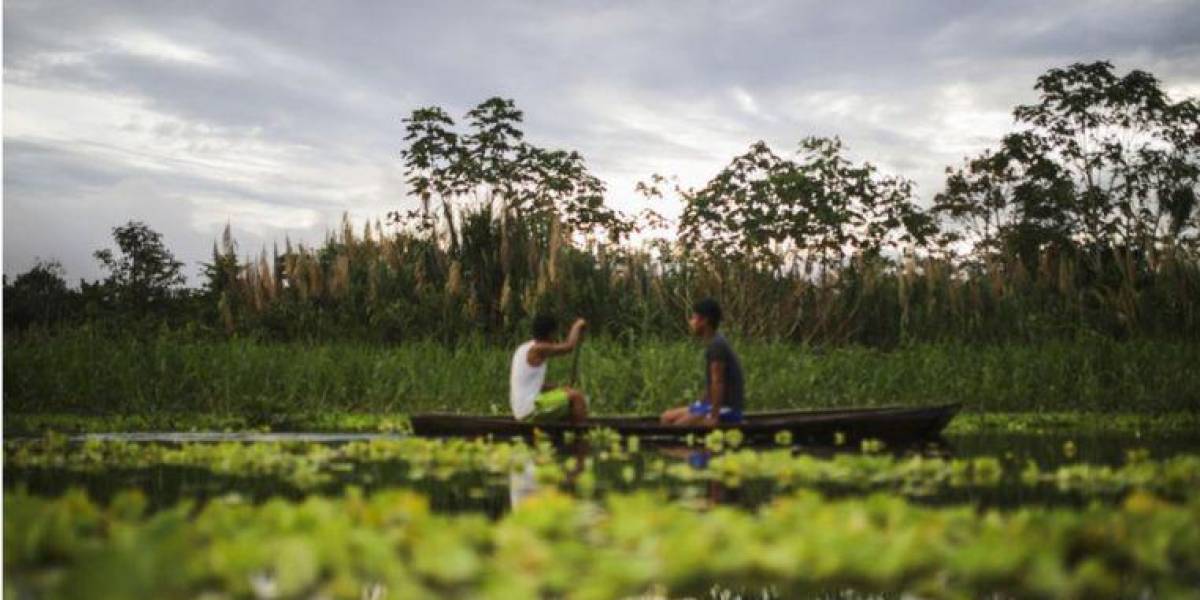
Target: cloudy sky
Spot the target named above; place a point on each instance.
(279, 117)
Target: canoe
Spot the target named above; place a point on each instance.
(888, 424)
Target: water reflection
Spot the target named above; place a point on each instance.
(522, 483)
(593, 471)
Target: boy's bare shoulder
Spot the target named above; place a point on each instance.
(537, 353)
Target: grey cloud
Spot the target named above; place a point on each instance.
(330, 81)
(62, 204)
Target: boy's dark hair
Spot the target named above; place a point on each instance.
(709, 309)
(544, 326)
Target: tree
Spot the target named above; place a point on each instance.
(494, 164)
(822, 207)
(146, 274)
(1013, 201)
(37, 296)
(1104, 161)
(433, 161)
(1129, 148)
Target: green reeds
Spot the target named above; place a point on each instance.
(490, 271)
(93, 371)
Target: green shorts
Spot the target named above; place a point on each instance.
(551, 405)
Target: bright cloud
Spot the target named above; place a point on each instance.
(152, 46)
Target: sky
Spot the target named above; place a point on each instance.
(280, 117)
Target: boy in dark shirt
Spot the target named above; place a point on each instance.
(724, 387)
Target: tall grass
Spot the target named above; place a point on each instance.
(92, 372)
(485, 274)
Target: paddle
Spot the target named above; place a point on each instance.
(575, 361)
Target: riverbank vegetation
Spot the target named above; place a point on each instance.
(92, 372)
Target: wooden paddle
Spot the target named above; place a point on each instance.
(575, 361)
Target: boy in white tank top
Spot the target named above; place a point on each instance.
(530, 395)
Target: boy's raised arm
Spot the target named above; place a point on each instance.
(545, 350)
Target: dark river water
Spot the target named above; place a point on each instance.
(495, 494)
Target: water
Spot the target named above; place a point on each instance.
(494, 494)
(1047, 449)
(175, 437)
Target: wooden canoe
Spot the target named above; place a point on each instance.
(889, 424)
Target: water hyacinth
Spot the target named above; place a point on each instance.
(606, 457)
(554, 545)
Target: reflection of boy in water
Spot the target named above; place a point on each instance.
(523, 483)
(724, 390)
(529, 394)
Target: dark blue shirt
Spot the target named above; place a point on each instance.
(719, 350)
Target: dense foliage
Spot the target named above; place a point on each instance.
(553, 545)
(95, 372)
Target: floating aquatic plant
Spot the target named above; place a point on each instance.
(309, 465)
(358, 545)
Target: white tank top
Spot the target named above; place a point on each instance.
(525, 381)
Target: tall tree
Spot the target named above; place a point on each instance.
(493, 163)
(145, 274)
(1103, 161)
(819, 207)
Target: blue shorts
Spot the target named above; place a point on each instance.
(700, 408)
